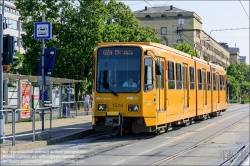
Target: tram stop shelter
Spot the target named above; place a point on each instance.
(13, 99)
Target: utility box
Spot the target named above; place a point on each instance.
(66, 110)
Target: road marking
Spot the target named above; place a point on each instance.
(206, 126)
(229, 117)
(142, 153)
(175, 138)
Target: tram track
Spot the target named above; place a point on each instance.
(116, 144)
(191, 148)
(237, 157)
(129, 143)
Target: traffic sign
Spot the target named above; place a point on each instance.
(43, 30)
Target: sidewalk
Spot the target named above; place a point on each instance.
(64, 129)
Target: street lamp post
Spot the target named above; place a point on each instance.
(173, 34)
(240, 89)
(180, 23)
(213, 48)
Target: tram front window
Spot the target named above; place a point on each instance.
(115, 67)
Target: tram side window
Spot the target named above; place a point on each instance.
(221, 83)
(171, 83)
(204, 79)
(162, 74)
(148, 78)
(224, 82)
(184, 72)
(178, 76)
(214, 81)
(208, 81)
(199, 79)
(217, 81)
(191, 71)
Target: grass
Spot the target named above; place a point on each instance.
(25, 120)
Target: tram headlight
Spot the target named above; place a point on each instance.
(133, 107)
(102, 107)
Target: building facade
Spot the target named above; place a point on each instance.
(243, 59)
(169, 19)
(11, 17)
(234, 54)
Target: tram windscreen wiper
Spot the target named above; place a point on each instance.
(105, 83)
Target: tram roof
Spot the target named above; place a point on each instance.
(158, 45)
(35, 78)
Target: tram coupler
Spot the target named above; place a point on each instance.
(113, 119)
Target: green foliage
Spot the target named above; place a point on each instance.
(245, 90)
(233, 101)
(17, 66)
(76, 32)
(234, 87)
(187, 49)
(237, 72)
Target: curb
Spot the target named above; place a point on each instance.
(38, 144)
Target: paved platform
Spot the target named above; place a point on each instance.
(64, 129)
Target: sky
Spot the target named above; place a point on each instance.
(216, 15)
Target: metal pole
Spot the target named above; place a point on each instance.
(228, 94)
(43, 79)
(240, 89)
(172, 35)
(1, 76)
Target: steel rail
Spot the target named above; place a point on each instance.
(185, 151)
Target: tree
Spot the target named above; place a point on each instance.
(187, 49)
(233, 88)
(77, 30)
(239, 72)
(17, 66)
(245, 90)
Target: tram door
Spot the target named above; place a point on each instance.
(185, 85)
(160, 92)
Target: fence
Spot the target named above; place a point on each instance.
(48, 107)
(64, 110)
(34, 132)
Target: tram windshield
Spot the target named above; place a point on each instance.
(118, 70)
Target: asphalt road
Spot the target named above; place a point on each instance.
(147, 149)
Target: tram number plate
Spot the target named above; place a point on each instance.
(117, 105)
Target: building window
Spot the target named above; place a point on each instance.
(163, 30)
(14, 24)
(179, 41)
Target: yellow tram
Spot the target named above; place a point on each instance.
(168, 87)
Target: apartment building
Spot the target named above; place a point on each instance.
(243, 59)
(168, 19)
(11, 17)
(234, 54)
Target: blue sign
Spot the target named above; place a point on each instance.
(43, 30)
(49, 62)
(45, 93)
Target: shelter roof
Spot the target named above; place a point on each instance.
(35, 78)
